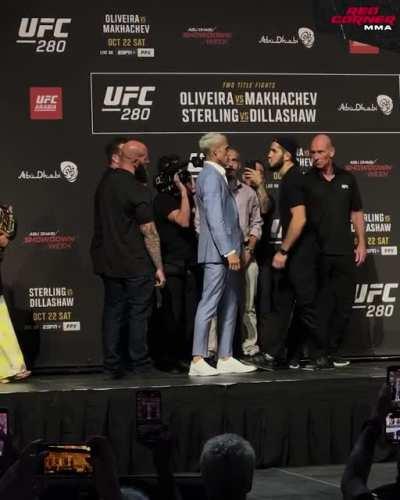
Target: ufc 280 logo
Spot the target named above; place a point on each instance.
(378, 299)
(132, 102)
(48, 33)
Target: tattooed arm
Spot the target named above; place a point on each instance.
(152, 243)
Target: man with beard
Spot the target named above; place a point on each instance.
(250, 220)
(125, 251)
(334, 200)
(295, 276)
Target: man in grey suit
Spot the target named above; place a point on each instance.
(219, 250)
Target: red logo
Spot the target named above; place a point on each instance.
(46, 103)
(362, 48)
(364, 15)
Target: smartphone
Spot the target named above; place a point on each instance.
(3, 427)
(393, 381)
(67, 460)
(251, 164)
(148, 416)
(392, 426)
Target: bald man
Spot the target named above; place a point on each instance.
(126, 254)
(334, 202)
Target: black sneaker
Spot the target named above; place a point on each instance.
(294, 364)
(324, 363)
(311, 366)
(258, 360)
(339, 362)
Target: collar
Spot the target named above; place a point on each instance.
(235, 185)
(336, 170)
(218, 167)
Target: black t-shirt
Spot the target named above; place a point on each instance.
(122, 204)
(177, 243)
(291, 194)
(330, 204)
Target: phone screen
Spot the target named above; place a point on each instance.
(393, 380)
(67, 460)
(148, 416)
(3, 427)
(392, 427)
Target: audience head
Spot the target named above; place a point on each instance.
(227, 465)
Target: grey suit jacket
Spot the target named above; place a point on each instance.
(219, 231)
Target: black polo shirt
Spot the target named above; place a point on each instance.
(177, 243)
(122, 204)
(330, 204)
(291, 194)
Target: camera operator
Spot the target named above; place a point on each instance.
(173, 207)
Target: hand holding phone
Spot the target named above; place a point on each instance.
(67, 459)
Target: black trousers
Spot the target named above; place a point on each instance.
(335, 298)
(127, 308)
(179, 299)
(264, 302)
(295, 287)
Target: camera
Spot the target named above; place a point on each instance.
(168, 166)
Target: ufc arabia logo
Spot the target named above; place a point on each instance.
(48, 33)
(377, 299)
(47, 100)
(132, 102)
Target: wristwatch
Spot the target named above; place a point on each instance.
(283, 251)
(250, 250)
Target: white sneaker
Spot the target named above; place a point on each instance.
(202, 369)
(232, 365)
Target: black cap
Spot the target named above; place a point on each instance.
(288, 143)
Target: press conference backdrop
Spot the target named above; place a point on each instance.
(75, 76)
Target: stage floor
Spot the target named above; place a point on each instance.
(97, 381)
(292, 418)
(312, 483)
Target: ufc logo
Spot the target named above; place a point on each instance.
(37, 28)
(368, 293)
(122, 96)
(47, 99)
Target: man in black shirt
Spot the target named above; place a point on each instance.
(125, 251)
(295, 262)
(334, 202)
(174, 219)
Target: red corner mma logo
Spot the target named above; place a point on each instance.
(46, 103)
